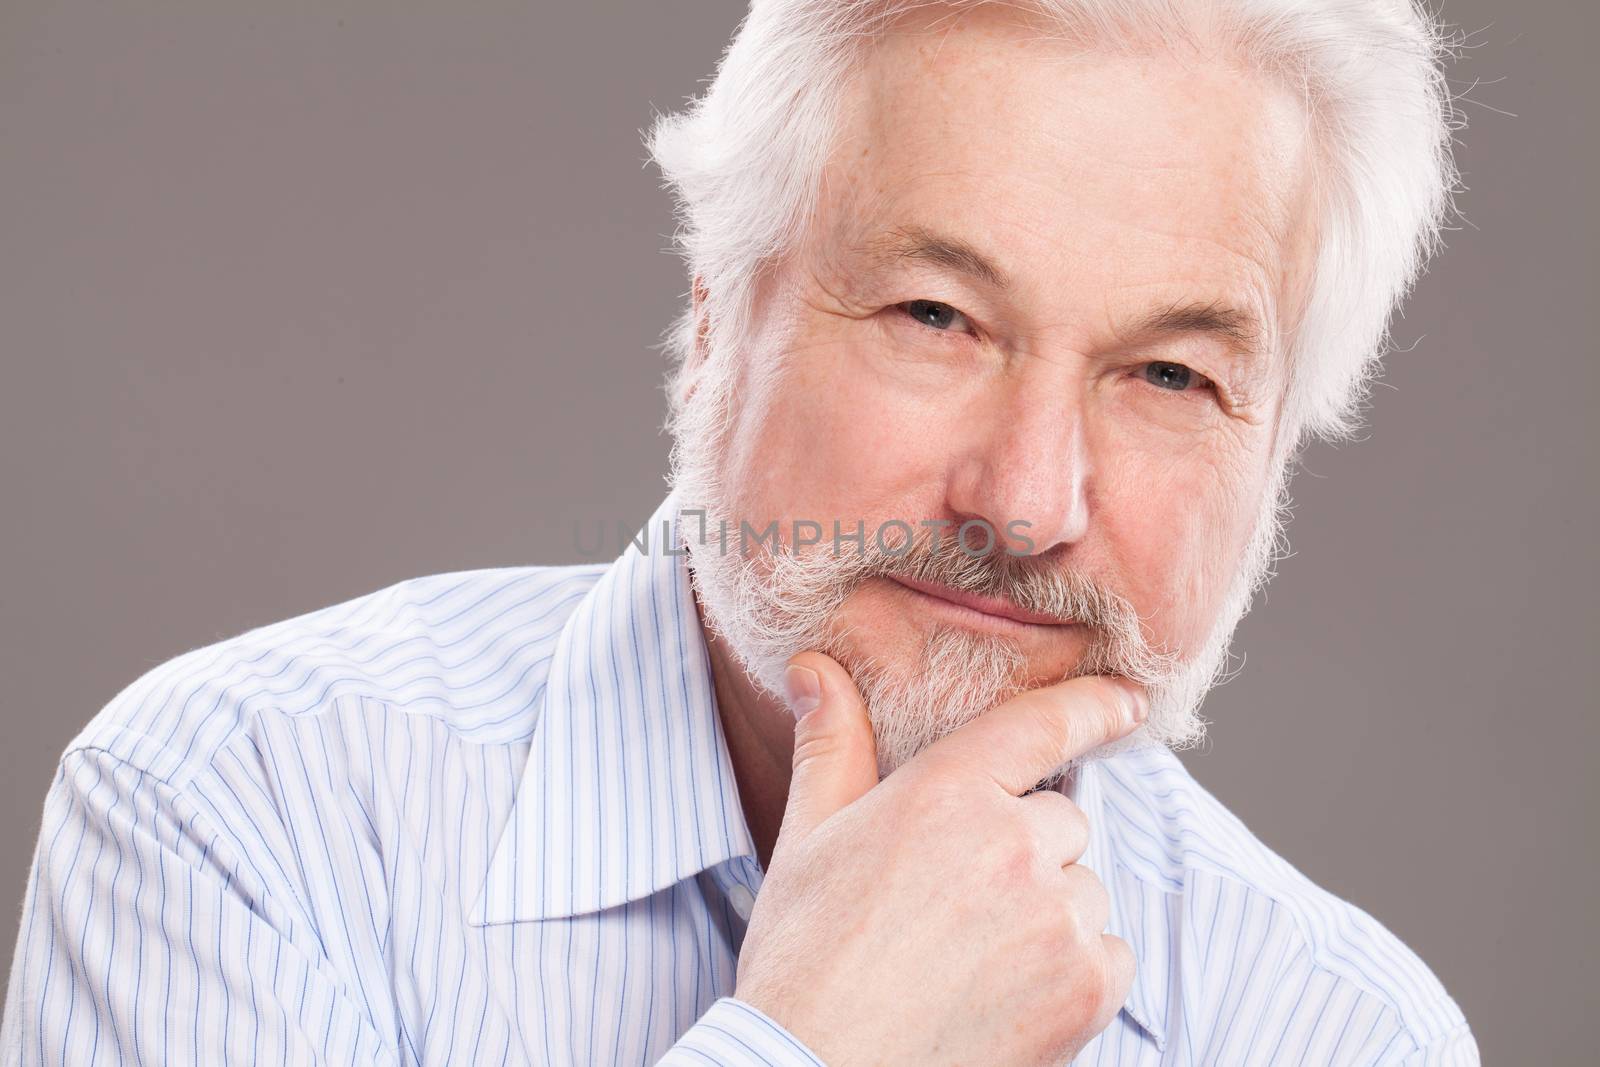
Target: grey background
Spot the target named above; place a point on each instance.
(297, 300)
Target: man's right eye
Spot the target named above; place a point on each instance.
(938, 316)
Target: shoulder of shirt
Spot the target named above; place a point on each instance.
(471, 648)
(1170, 829)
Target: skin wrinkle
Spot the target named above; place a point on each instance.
(1236, 382)
(1232, 322)
(1255, 283)
(1105, 187)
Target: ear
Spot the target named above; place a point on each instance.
(696, 358)
(702, 320)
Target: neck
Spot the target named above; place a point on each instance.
(759, 731)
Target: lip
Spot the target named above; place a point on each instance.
(993, 609)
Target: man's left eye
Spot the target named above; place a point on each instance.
(933, 314)
(1174, 376)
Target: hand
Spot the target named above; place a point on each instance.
(939, 916)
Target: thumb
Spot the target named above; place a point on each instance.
(835, 757)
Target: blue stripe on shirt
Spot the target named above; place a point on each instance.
(489, 817)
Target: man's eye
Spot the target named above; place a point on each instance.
(936, 315)
(1174, 376)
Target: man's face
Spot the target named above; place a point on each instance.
(1106, 383)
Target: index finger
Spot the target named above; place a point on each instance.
(1024, 740)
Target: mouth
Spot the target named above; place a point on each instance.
(975, 610)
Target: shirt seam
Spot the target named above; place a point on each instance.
(238, 853)
(1420, 1036)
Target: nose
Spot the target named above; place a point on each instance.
(1027, 472)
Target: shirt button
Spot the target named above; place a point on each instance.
(742, 900)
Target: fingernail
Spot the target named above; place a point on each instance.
(804, 688)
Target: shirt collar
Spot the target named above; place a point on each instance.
(1147, 999)
(628, 787)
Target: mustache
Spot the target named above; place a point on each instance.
(1041, 584)
(1045, 584)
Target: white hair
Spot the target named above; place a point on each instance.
(745, 160)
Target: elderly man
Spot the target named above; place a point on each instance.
(1006, 323)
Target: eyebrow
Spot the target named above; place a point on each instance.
(952, 253)
(1236, 328)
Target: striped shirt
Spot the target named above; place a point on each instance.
(488, 817)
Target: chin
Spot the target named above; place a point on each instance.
(886, 624)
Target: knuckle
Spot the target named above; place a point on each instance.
(1068, 933)
(814, 748)
(1057, 730)
(1015, 853)
(1101, 901)
(1086, 885)
(1102, 974)
(1075, 930)
(1086, 1000)
(1060, 804)
(1075, 821)
(1064, 817)
(1083, 929)
(1095, 995)
(1110, 698)
(1120, 961)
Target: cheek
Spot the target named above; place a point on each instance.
(1176, 524)
(832, 441)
